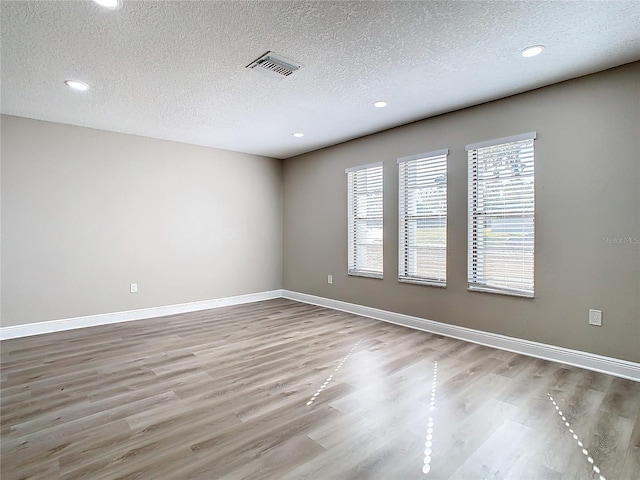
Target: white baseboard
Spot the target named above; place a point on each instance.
(127, 316)
(589, 361)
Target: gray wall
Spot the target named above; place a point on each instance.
(87, 212)
(587, 191)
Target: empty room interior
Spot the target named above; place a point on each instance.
(320, 240)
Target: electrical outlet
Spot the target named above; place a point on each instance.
(134, 288)
(329, 279)
(595, 317)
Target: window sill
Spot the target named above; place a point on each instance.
(377, 276)
(496, 291)
(418, 281)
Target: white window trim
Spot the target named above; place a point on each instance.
(435, 153)
(408, 278)
(350, 271)
(484, 288)
(500, 141)
(362, 167)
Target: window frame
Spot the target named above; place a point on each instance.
(353, 266)
(419, 161)
(477, 215)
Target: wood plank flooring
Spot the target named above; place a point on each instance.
(284, 390)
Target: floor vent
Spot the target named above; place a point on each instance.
(275, 64)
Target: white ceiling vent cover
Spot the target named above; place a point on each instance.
(275, 65)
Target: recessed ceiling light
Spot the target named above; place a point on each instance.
(77, 85)
(298, 134)
(110, 4)
(380, 104)
(532, 51)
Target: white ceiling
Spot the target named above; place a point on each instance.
(176, 70)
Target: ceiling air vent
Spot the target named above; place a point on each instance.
(275, 64)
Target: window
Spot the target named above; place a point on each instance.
(423, 218)
(501, 215)
(365, 220)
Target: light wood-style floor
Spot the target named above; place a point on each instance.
(284, 390)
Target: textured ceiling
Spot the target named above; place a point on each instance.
(176, 70)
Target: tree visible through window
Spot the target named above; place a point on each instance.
(365, 220)
(423, 218)
(502, 216)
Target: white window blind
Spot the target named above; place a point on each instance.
(365, 220)
(502, 215)
(423, 218)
